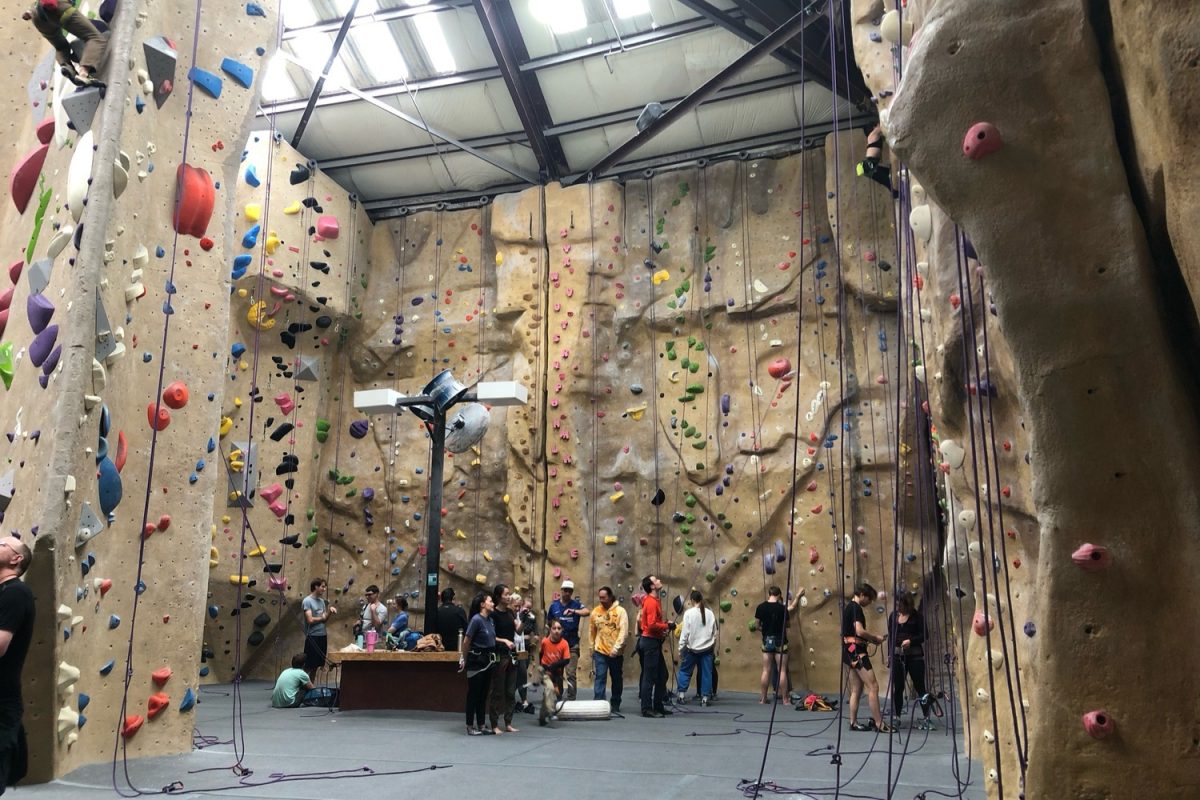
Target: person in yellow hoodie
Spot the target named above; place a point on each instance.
(609, 629)
(53, 18)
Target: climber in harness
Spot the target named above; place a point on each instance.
(872, 166)
(56, 18)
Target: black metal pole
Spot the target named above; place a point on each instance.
(433, 521)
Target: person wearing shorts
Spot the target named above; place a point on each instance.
(855, 638)
(772, 617)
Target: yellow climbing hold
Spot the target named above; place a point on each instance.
(674, 376)
(239, 580)
(636, 412)
(660, 277)
(487, 556)
(481, 579)
(506, 499)
(610, 539)
(293, 208)
(243, 293)
(256, 317)
(237, 402)
(458, 534)
(499, 259)
(256, 552)
(253, 212)
(226, 426)
(234, 496)
(615, 496)
(273, 242)
(214, 557)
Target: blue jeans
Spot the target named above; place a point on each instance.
(605, 666)
(705, 663)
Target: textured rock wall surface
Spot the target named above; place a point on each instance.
(114, 289)
(1079, 285)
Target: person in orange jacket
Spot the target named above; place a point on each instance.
(653, 630)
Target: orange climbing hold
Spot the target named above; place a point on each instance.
(158, 421)
(133, 724)
(157, 703)
(161, 676)
(122, 451)
(176, 395)
(25, 177)
(194, 200)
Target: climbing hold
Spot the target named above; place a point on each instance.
(108, 486)
(82, 701)
(156, 704)
(1030, 629)
(39, 309)
(359, 428)
(253, 212)
(210, 83)
(240, 73)
(920, 219)
(300, 173)
(255, 10)
(240, 265)
(328, 227)
(952, 452)
(161, 58)
(24, 178)
(1098, 724)
(779, 367)
(161, 676)
(113, 621)
(979, 626)
(158, 417)
(1092, 558)
(133, 723)
(285, 403)
(45, 130)
(105, 585)
(293, 208)
(981, 141)
(251, 237)
(176, 395)
(188, 701)
(42, 344)
(68, 676)
(894, 30)
(251, 175)
(195, 196)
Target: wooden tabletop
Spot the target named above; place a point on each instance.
(405, 655)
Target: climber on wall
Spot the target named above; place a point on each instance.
(871, 166)
(53, 19)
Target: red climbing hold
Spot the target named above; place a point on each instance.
(779, 367)
(194, 200)
(977, 624)
(159, 422)
(161, 676)
(176, 395)
(206, 243)
(105, 585)
(157, 704)
(1092, 558)
(148, 530)
(122, 451)
(6, 298)
(133, 723)
(14, 272)
(813, 555)
(164, 522)
(3, 320)
(25, 177)
(981, 141)
(45, 130)
(1098, 723)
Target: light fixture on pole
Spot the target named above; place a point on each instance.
(465, 429)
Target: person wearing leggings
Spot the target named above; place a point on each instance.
(477, 657)
(907, 629)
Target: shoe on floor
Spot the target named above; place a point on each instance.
(861, 727)
(474, 732)
(662, 712)
(681, 699)
(648, 713)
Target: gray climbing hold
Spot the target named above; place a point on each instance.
(308, 369)
(81, 106)
(106, 342)
(39, 275)
(160, 64)
(89, 525)
(7, 489)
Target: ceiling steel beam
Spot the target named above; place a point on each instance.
(422, 151)
(382, 15)
(756, 53)
(724, 19)
(508, 47)
(388, 90)
(515, 171)
(662, 34)
(392, 207)
(338, 41)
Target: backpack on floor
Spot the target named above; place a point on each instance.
(320, 697)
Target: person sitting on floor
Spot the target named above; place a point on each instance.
(291, 685)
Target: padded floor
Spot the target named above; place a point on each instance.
(694, 754)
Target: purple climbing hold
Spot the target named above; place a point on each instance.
(1030, 629)
(368, 494)
(51, 362)
(780, 551)
(359, 428)
(724, 404)
(42, 344)
(768, 563)
(40, 310)
(416, 301)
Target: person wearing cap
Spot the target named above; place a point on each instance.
(450, 622)
(567, 610)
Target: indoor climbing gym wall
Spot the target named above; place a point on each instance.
(299, 282)
(118, 233)
(1053, 286)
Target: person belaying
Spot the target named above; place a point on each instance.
(53, 20)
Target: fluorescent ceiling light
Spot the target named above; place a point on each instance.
(563, 16)
(299, 14)
(434, 41)
(277, 84)
(631, 8)
(379, 52)
(312, 49)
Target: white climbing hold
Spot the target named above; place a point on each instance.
(67, 676)
(989, 737)
(79, 175)
(967, 519)
(64, 613)
(953, 453)
(895, 31)
(68, 722)
(982, 694)
(921, 222)
(919, 372)
(60, 241)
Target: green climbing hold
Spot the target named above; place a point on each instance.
(671, 355)
(710, 576)
(322, 430)
(693, 367)
(686, 286)
(689, 551)
(691, 341)
(727, 606)
(351, 491)
(695, 388)
(312, 538)
(310, 513)
(686, 363)
(699, 445)
(753, 625)
(690, 501)
(658, 226)
(700, 346)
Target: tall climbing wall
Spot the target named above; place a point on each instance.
(1052, 282)
(113, 357)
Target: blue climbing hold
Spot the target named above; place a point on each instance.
(160, 251)
(141, 587)
(212, 445)
(255, 10)
(147, 357)
(105, 420)
(240, 73)
(109, 486)
(200, 464)
(251, 237)
(66, 634)
(82, 720)
(213, 611)
(252, 176)
(237, 349)
(83, 701)
(139, 104)
(1030, 629)
(170, 287)
(193, 478)
(113, 621)
(204, 671)
(107, 668)
(188, 701)
(209, 82)
(242, 263)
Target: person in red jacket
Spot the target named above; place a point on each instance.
(652, 630)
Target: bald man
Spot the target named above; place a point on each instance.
(16, 631)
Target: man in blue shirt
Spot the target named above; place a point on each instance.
(567, 610)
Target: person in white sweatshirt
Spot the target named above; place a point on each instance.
(697, 641)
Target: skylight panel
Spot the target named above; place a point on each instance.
(434, 42)
(299, 14)
(379, 52)
(277, 84)
(631, 8)
(365, 7)
(312, 50)
(563, 16)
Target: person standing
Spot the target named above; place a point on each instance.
(316, 613)
(526, 626)
(451, 621)
(608, 630)
(477, 656)
(907, 629)
(854, 655)
(696, 643)
(503, 692)
(772, 617)
(16, 632)
(652, 630)
(567, 610)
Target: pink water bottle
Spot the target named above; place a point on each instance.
(371, 637)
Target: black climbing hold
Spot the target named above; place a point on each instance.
(300, 173)
(262, 620)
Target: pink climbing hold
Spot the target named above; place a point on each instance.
(14, 272)
(284, 401)
(164, 522)
(1092, 558)
(45, 130)
(271, 493)
(6, 298)
(981, 141)
(1098, 723)
(148, 530)
(279, 508)
(277, 583)
(779, 367)
(161, 676)
(328, 227)
(24, 178)
(979, 626)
